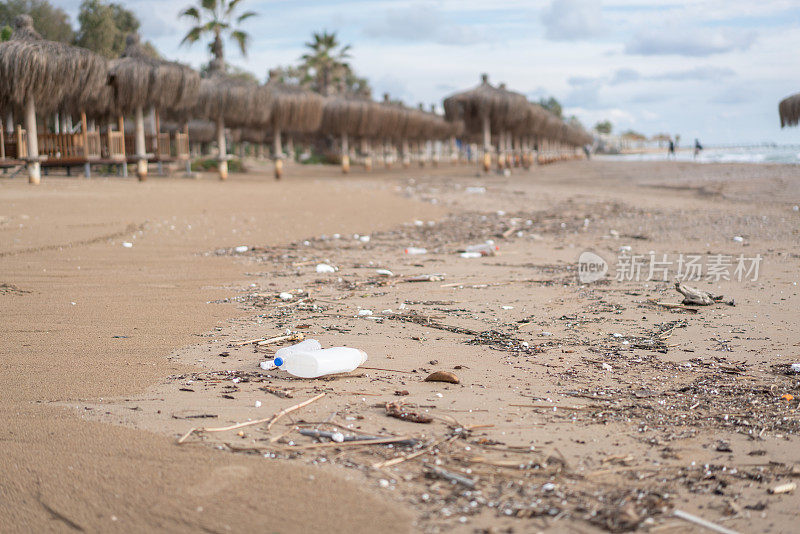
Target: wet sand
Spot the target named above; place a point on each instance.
(96, 392)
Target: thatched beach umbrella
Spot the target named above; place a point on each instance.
(485, 108)
(295, 110)
(789, 110)
(349, 117)
(233, 102)
(141, 82)
(35, 73)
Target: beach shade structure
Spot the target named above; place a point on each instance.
(233, 102)
(295, 110)
(789, 110)
(347, 117)
(36, 74)
(142, 82)
(485, 109)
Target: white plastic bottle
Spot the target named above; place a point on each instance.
(314, 363)
(286, 352)
(308, 344)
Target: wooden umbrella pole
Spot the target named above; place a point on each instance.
(487, 145)
(222, 160)
(277, 153)
(141, 152)
(345, 154)
(34, 168)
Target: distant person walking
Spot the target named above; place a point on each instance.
(697, 148)
(671, 150)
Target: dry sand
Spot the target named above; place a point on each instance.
(659, 409)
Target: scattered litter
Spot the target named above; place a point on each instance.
(242, 248)
(783, 488)
(788, 397)
(698, 297)
(258, 404)
(364, 239)
(484, 249)
(127, 244)
(454, 478)
(470, 254)
(325, 268)
(795, 367)
(702, 522)
(416, 250)
(384, 272)
(435, 277)
(607, 367)
(442, 376)
(267, 365)
(320, 362)
(286, 296)
(365, 312)
(475, 190)
(507, 307)
(738, 239)
(399, 411)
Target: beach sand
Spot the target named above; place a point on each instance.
(110, 353)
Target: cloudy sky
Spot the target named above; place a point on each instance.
(712, 69)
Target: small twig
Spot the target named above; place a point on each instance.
(411, 456)
(383, 441)
(269, 420)
(453, 477)
(382, 369)
(702, 522)
(549, 406)
(297, 336)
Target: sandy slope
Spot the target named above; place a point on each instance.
(72, 287)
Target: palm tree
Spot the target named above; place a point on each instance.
(325, 61)
(216, 17)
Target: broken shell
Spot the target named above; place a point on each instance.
(442, 376)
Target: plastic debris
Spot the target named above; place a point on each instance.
(795, 367)
(471, 255)
(286, 296)
(325, 268)
(320, 362)
(384, 272)
(738, 239)
(416, 250)
(242, 248)
(364, 313)
(127, 244)
(484, 249)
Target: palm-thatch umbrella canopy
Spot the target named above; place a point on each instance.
(141, 81)
(294, 110)
(347, 117)
(789, 110)
(35, 73)
(232, 101)
(485, 108)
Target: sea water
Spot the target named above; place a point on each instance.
(789, 154)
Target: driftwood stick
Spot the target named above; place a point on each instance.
(411, 456)
(314, 433)
(382, 369)
(269, 420)
(702, 522)
(452, 477)
(297, 336)
(383, 441)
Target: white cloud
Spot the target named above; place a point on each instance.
(569, 20)
(695, 42)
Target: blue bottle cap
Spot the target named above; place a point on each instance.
(278, 362)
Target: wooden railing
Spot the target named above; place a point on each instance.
(116, 145)
(163, 146)
(77, 146)
(22, 143)
(181, 145)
